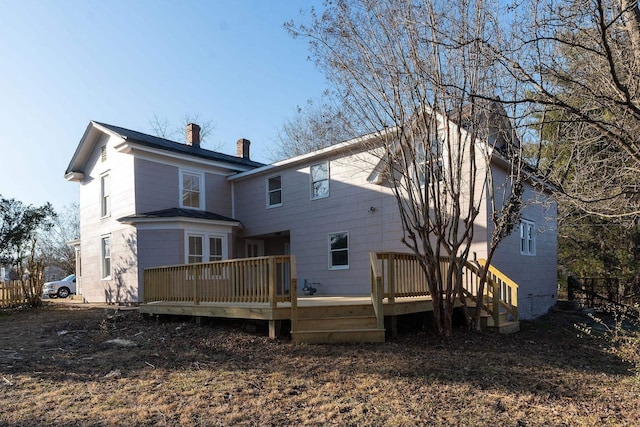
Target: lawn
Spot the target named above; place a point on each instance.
(72, 365)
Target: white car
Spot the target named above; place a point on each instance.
(60, 288)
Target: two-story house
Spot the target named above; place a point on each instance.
(147, 201)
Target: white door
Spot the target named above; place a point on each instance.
(254, 248)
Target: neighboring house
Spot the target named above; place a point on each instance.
(146, 201)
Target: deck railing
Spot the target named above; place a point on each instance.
(400, 276)
(270, 279)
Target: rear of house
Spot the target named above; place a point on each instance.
(147, 202)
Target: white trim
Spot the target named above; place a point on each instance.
(269, 191)
(105, 212)
(102, 257)
(201, 188)
(328, 179)
(330, 251)
(206, 250)
(527, 236)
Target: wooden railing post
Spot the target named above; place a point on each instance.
(196, 288)
(272, 277)
(496, 302)
(293, 293)
(377, 291)
(391, 281)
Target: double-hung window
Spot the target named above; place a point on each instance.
(339, 251)
(274, 191)
(105, 195)
(191, 190)
(527, 237)
(195, 249)
(215, 249)
(106, 256)
(429, 163)
(205, 248)
(319, 177)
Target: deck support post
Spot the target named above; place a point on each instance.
(391, 325)
(275, 326)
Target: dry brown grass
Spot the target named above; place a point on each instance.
(57, 368)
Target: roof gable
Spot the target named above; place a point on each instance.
(95, 129)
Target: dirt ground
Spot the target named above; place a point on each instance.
(68, 364)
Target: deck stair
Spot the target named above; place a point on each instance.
(336, 324)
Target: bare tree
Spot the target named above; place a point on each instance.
(423, 76)
(55, 242)
(162, 127)
(579, 63)
(314, 126)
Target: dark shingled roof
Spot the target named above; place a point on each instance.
(176, 147)
(178, 212)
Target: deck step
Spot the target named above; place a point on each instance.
(507, 327)
(329, 336)
(342, 322)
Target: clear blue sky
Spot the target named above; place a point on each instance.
(64, 63)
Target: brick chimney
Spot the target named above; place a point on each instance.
(243, 148)
(193, 135)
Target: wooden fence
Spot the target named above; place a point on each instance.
(12, 293)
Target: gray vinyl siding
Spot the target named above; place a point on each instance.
(535, 275)
(121, 286)
(156, 186)
(347, 209)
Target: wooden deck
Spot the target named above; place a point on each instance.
(259, 289)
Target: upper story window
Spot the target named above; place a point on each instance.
(429, 160)
(339, 251)
(105, 195)
(319, 176)
(106, 256)
(191, 190)
(527, 237)
(103, 153)
(274, 191)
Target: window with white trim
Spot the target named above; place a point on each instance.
(105, 195)
(191, 190)
(195, 249)
(205, 248)
(319, 179)
(103, 153)
(527, 237)
(274, 191)
(105, 247)
(429, 161)
(215, 249)
(339, 251)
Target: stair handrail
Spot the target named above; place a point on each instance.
(499, 292)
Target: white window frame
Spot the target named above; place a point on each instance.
(219, 257)
(332, 250)
(435, 159)
(188, 248)
(201, 201)
(527, 237)
(105, 258)
(312, 182)
(105, 195)
(271, 191)
(206, 245)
